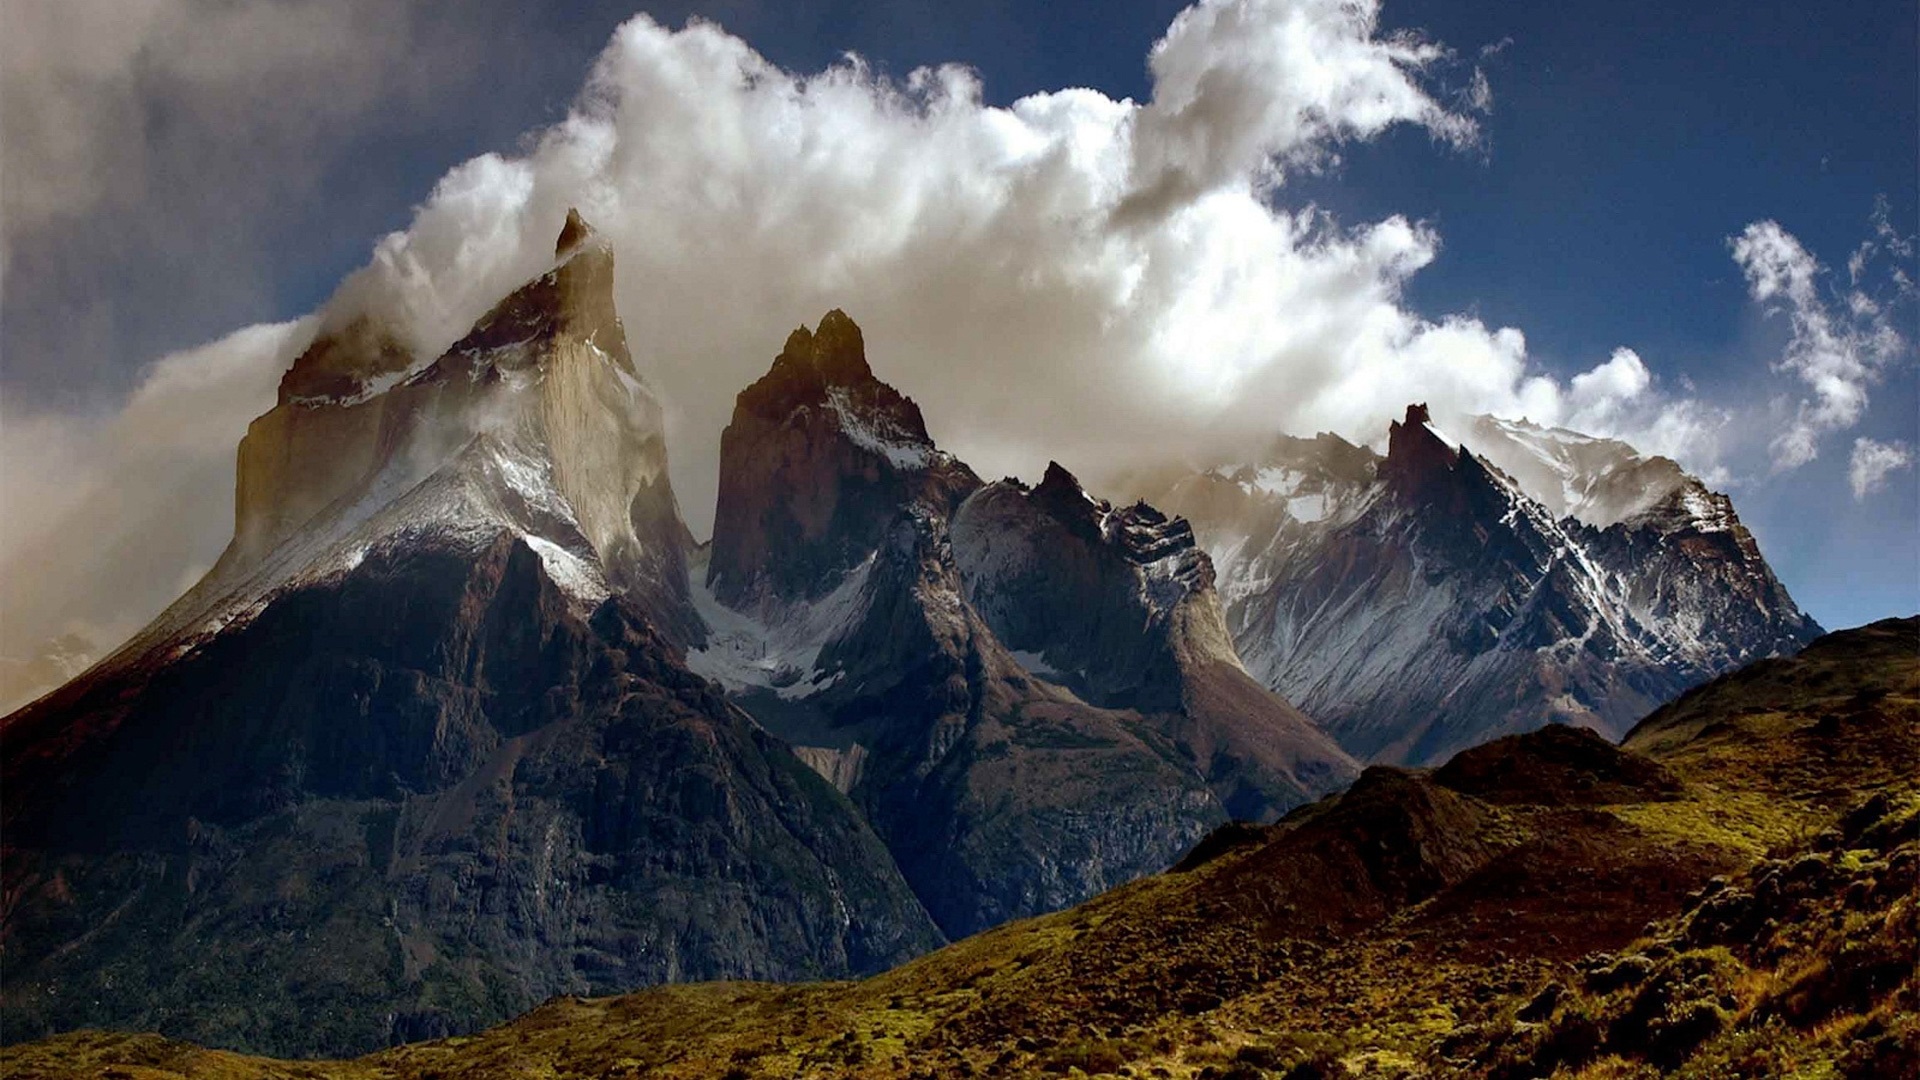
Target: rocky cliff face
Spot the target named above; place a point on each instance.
(422, 750)
(1118, 604)
(1424, 601)
(1030, 693)
(420, 798)
(1000, 794)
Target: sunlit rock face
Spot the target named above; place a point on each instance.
(1423, 601)
(543, 386)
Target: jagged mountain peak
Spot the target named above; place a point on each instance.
(1061, 494)
(1599, 481)
(440, 667)
(1140, 533)
(1454, 590)
(1118, 605)
(826, 369)
(1440, 481)
(1416, 453)
(818, 459)
(835, 350)
(834, 354)
(1058, 481)
(1062, 489)
(361, 358)
(970, 662)
(1117, 600)
(575, 232)
(538, 407)
(1326, 455)
(574, 299)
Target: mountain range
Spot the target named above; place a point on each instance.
(1450, 591)
(464, 718)
(1730, 893)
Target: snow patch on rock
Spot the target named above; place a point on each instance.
(577, 576)
(1593, 480)
(778, 647)
(900, 450)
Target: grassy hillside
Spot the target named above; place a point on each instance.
(1733, 893)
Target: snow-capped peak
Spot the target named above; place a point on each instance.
(1451, 592)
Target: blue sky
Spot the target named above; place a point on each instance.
(1626, 144)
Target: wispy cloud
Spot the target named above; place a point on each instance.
(1873, 462)
(104, 520)
(1841, 340)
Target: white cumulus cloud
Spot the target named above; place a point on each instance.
(1070, 276)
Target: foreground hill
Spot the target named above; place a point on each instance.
(1731, 893)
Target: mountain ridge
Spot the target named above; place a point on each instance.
(860, 627)
(1342, 569)
(464, 706)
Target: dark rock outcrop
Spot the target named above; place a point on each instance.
(429, 786)
(1001, 795)
(1118, 602)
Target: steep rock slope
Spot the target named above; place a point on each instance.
(842, 612)
(1118, 604)
(421, 751)
(820, 458)
(1424, 601)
